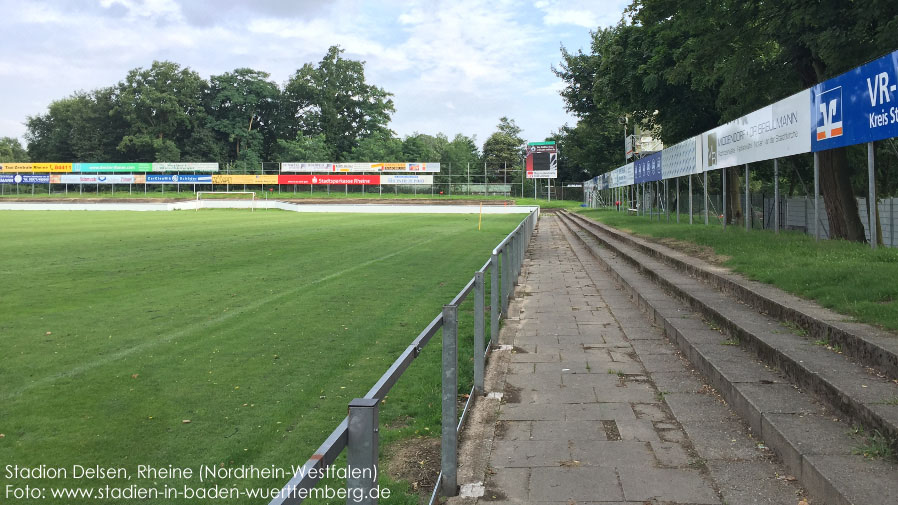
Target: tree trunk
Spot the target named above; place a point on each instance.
(841, 206)
(734, 196)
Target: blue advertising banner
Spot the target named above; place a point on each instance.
(856, 107)
(24, 179)
(178, 179)
(647, 169)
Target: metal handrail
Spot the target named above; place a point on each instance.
(338, 440)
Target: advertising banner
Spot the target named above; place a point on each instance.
(244, 179)
(185, 167)
(355, 167)
(392, 167)
(112, 167)
(307, 167)
(856, 107)
(648, 169)
(24, 179)
(352, 180)
(96, 179)
(406, 179)
(178, 179)
(422, 167)
(778, 130)
(682, 159)
(16, 167)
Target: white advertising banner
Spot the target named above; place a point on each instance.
(355, 167)
(408, 167)
(307, 167)
(99, 179)
(185, 167)
(682, 159)
(778, 130)
(406, 179)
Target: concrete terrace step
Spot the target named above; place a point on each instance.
(866, 343)
(863, 395)
(813, 440)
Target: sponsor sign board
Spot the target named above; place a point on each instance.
(185, 167)
(97, 179)
(355, 167)
(36, 167)
(408, 167)
(352, 180)
(856, 107)
(648, 169)
(244, 179)
(542, 160)
(24, 179)
(112, 167)
(682, 159)
(178, 179)
(406, 179)
(307, 167)
(778, 130)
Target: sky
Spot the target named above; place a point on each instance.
(453, 66)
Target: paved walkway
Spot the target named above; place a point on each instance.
(584, 416)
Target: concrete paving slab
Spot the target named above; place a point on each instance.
(568, 430)
(575, 484)
(668, 485)
(529, 454)
(598, 412)
(753, 483)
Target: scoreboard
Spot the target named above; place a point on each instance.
(542, 160)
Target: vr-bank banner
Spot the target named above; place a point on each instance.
(682, 159)
(24, 179)
(856, 107)
(776, 131)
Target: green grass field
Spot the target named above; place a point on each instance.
(847, 277)
(258, 328)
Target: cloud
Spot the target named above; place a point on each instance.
(453, 66)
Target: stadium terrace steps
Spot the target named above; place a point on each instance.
(802, 399)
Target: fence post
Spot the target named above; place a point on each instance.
(871, 202)
(816, 196)
(706, 197)
(361, 450)
(747, 216)
(506, 279)
(776, 196)
(478, 332)
(494, 298)
(690, 198)
(449, 445)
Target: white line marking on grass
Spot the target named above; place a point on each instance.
(78, 370)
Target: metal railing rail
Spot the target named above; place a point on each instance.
(359, 432)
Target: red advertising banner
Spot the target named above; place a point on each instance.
(352, 180)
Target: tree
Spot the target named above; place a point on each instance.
(333, 99)
(82, 127)
(11, 151)
(162, 105)
(313, 148)
(380, 146)
(243, 107)
(504, 149)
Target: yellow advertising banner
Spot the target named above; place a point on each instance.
(244, 179)
(16, 167)
(52, 167)
(42, 168)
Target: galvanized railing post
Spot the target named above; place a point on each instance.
(361, 448)
(506, 278)
(494, 298)
(478, 332)
(449, 445)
